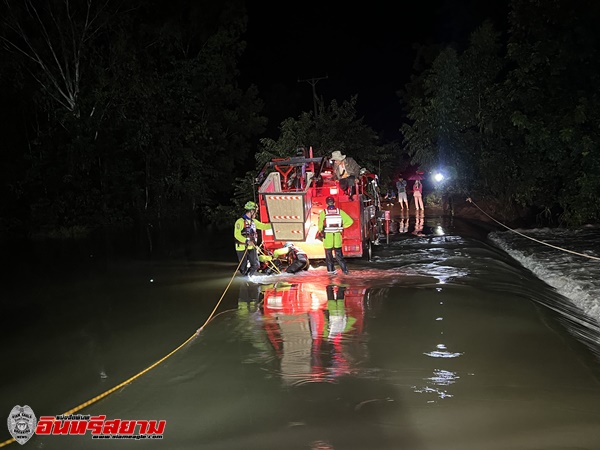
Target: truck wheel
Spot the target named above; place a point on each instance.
(367, 250)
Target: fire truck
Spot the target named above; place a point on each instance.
(292, 193)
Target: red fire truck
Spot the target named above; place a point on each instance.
(292, 193)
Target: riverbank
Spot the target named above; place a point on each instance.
(485, 214)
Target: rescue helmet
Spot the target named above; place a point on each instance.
(362, 171)
(289, 244)
(330, 200)
(250, 206)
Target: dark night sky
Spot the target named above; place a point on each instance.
(362, 51)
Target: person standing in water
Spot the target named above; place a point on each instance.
(246, 239)
(401, 188)
(332, 221)
(418, 195)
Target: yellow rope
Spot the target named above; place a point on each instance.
(270, 262)
(147, 369)
(529, 237)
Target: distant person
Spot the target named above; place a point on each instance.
(418, 195)
(390, 196)
(297, 259)
(332, 221)
(246, 238)
(346, 170)
(401, 188)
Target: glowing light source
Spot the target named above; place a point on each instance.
(438, 177)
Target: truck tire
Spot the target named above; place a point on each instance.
(367, 249)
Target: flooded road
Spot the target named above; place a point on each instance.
(441, 342)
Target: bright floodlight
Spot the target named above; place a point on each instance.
(438, 177)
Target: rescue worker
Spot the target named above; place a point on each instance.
(297, 259)
(346, 170)
(268, 263)
(246, 238)
(332, 221)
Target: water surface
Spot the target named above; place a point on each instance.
(443, 341)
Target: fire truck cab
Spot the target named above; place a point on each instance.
(292, 193)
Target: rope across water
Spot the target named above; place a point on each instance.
(531, 238)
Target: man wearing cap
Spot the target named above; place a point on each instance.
(332, 222)
(345, 169)
(246, 238)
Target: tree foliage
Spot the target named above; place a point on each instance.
(336, 127)
(127, 112)
(516, 121)
(136, 111)
(553, 103)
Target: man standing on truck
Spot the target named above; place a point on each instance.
(332, 222)
(346, 170)
(246, 239)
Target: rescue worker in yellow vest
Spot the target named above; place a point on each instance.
(246, 239)
(332, 222)
(297, 258)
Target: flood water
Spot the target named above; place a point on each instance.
(442, 342)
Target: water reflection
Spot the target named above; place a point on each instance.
(419, 223)
(250, 295)
(436, 383)
(313, 327)
(314, 331)
(441, 378)
(403, 225)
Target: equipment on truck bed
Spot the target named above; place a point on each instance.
(293, 191)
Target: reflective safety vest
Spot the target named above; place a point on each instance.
(333, 221)
(296, 254)
(249, 230)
